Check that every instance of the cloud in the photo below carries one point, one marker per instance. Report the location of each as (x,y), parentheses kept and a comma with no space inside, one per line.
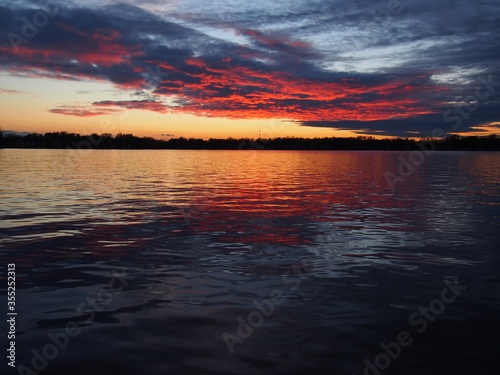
(450,121)
(368,67)
(147,105)
(107,107)
(10,91)
(81,111)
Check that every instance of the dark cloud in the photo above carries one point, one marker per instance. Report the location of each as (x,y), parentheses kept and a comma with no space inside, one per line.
(457,119)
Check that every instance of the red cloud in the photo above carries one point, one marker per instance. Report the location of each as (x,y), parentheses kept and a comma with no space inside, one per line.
(196,62)
(81,111)
(109,107)
(97,48)
(100,54)
(234,91)
(148,105)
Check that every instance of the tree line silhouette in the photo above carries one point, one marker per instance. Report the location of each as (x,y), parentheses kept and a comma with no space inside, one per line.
(65,140)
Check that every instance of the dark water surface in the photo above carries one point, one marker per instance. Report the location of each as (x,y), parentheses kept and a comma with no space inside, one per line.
(163,262)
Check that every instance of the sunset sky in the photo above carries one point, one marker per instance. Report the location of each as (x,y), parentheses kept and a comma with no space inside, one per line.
(233,68)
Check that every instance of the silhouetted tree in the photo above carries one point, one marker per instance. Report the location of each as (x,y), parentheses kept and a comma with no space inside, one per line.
(129,141)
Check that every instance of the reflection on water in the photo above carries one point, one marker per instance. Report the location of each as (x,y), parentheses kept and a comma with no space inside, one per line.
(200,237)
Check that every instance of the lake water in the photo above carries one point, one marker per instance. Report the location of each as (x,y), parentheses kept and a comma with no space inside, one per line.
(246,262)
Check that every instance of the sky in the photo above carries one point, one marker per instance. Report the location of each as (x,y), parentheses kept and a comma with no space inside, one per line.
(307,68)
